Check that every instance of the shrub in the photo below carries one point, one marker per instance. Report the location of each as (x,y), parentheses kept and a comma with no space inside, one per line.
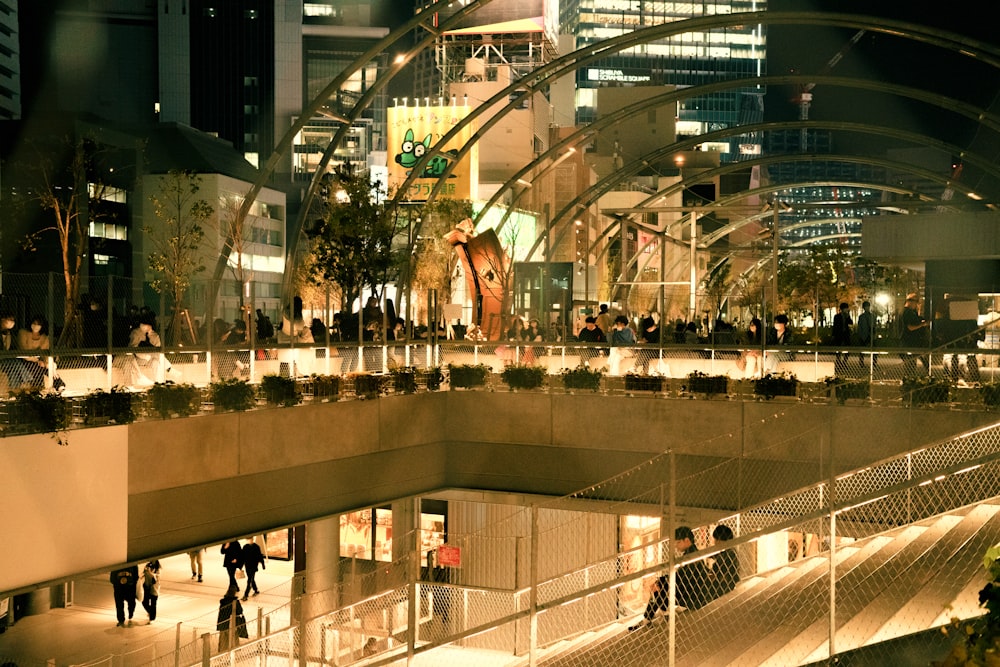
(432,378)
(517,376)
(114,405)
(924,389)
(280,390)
(842,389)
(776,384)
(42,411)
(467,375)
(701,383)
(636,382)
(404,379)
(325,386)
(232,394)
(367,385)
(582,377)
(167,399)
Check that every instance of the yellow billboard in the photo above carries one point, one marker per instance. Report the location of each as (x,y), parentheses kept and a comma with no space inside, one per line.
(415,130)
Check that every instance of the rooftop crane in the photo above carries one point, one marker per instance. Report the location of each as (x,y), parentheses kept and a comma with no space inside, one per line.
(803,94)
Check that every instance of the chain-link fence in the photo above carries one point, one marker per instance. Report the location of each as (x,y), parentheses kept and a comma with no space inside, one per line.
(852,561)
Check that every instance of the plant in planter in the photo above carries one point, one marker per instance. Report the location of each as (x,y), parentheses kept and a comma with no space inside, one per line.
(232,394)
(776,384)
(923,390)
(168,399)
(325,386)
(41,411)
(702,383)
(280,390)
(517,376)
(102,406)
(404,379)
(431,378)
(582,377)
(367,385)
(842,389)
(463,376)
(977,639)
(636,382)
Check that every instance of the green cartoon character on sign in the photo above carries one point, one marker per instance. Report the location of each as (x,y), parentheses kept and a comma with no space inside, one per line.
(411,152)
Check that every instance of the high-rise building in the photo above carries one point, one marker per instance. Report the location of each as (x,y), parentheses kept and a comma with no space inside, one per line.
(682,61)
(10,66)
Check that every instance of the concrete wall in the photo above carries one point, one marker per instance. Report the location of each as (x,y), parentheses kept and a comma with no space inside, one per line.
(153,488)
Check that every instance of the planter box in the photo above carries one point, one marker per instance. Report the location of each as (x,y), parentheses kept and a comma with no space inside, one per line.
(711,384)
(857,390)
(935,392)
(643,383)
(770,388)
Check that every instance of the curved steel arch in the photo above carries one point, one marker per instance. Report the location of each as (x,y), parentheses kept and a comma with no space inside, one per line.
(517,91)
(975,49)
(589,196)
(583,134)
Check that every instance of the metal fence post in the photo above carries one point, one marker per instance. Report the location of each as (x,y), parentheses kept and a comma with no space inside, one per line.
(206,650)
(533,594)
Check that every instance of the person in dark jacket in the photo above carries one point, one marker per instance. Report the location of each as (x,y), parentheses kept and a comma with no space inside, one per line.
(230,607)
(232,559)
(124,582)
(725,574)
(253,558)
(692,580)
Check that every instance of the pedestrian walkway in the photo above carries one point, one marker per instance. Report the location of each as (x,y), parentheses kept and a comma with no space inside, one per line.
(86,632)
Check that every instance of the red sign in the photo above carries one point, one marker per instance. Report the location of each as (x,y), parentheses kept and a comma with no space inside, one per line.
(449,556)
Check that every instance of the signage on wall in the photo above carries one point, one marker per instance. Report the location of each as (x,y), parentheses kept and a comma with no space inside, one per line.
(449,556)
(412,132)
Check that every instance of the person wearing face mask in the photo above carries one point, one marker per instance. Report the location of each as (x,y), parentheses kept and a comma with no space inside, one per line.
(35,337)
(13,368)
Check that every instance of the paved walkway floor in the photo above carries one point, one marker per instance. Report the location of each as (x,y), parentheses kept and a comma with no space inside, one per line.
(87,633)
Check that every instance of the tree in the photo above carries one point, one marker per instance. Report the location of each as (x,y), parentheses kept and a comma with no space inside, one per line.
(236,229)
(352,239)
(717,288)
(71,189)
(177,240)
(434,258)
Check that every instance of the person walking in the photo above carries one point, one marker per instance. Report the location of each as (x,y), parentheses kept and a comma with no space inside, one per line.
(151,587)
(253,557)
(231,623)
(197,563)
(124,582)
(232,560)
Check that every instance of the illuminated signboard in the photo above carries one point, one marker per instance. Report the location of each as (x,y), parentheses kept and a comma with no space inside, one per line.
(415,130)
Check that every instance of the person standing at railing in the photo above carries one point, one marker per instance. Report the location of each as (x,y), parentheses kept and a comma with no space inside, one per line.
(650,336)
(780,335)
(36,337)
(864,332)
(590,333)
(750,359)
(603,320)
(842,337)
(691,580)
(13,368)
(622,345)
(913,333)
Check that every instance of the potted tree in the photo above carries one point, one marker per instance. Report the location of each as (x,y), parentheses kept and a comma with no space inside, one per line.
(582,377)
(517,376)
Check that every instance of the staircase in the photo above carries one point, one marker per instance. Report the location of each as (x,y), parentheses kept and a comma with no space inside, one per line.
(908,579)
